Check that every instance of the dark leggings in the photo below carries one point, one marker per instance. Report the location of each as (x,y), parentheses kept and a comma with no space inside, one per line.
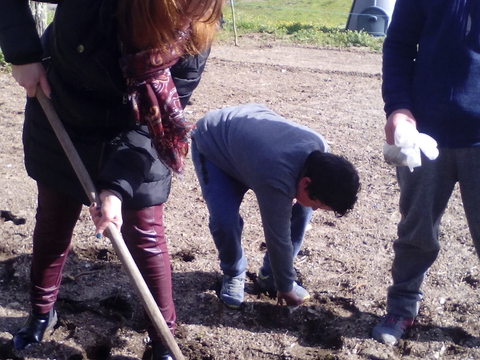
(142,231)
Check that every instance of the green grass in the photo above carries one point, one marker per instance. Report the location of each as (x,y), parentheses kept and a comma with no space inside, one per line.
(330,13)
(316,22)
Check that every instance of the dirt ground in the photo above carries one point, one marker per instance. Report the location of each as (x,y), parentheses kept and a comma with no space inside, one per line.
(344,263)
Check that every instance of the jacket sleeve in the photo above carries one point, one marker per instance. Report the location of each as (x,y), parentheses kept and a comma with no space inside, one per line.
(19,39)
(128,163)
(186,74)
(399,54)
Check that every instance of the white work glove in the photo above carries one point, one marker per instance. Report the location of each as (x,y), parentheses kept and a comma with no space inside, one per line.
(408,144)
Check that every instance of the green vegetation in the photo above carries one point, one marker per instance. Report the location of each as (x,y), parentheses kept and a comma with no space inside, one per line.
(50,15)
(3,65)
(330,13)
(316,22)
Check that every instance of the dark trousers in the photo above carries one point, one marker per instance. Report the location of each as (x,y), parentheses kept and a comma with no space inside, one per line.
(424,195)
(142,231)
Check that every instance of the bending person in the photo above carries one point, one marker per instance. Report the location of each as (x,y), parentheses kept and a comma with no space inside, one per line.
(289,169)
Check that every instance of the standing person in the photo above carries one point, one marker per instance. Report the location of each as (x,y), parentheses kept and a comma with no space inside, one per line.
(250,147)
(100,57)
(431,79)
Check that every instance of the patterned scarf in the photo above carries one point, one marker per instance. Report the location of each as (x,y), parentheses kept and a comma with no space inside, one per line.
(155,102)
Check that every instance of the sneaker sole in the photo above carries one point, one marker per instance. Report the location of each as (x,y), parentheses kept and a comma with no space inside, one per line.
(233,307)
(230,306)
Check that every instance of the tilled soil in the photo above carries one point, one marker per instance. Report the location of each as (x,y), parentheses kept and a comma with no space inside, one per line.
(344,263)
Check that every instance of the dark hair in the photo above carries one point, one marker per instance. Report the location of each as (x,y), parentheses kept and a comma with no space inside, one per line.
(334,181)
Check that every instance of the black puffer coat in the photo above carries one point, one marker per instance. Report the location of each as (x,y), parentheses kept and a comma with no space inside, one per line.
(81,54)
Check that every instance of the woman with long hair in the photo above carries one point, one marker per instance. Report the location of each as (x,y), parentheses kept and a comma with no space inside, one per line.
(119,74)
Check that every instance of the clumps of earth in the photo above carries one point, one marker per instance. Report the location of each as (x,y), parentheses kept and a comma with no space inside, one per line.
(344,262)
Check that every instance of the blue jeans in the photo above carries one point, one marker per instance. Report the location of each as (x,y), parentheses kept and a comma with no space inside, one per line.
(223,195)
(424,195)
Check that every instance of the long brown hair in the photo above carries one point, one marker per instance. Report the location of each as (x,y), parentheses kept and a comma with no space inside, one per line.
(148,24)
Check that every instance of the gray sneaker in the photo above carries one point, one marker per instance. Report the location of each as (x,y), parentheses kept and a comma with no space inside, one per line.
(233,290)
(267,284)
(391,329)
